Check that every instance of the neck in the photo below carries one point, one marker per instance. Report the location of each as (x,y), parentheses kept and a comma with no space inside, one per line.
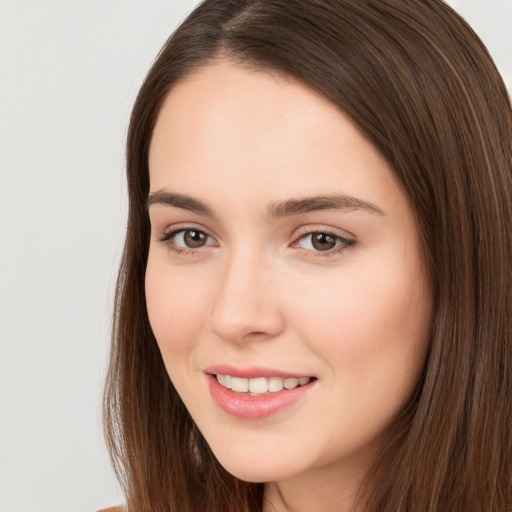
(314,491)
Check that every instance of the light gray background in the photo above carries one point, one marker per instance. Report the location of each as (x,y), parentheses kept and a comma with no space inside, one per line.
(69,73)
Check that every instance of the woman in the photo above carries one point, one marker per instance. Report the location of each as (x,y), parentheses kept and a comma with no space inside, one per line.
(314,305)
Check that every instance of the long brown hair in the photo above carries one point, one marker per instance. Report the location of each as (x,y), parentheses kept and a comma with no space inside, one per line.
(419,83)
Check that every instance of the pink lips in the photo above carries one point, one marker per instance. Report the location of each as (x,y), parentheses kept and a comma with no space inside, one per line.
(250,372)
(253,407)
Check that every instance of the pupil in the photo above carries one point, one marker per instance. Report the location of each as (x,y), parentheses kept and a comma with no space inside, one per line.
(323,241)
(195,238)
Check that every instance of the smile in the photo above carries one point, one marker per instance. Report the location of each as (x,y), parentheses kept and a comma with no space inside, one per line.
(254,398)
(260,385)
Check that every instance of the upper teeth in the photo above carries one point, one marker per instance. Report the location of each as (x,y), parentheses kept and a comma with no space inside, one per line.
(260,385)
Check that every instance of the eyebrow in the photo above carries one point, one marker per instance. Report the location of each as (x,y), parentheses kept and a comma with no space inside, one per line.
(179,201)
(328,202)
(275,210)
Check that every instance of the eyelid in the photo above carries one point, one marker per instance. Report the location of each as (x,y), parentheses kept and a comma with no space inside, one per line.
(322,228)
(182,226)
(164,237)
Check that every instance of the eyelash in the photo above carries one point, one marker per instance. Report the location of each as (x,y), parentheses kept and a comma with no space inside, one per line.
(168,238)
(344,243)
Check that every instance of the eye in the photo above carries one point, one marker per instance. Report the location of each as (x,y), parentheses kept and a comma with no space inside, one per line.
(186,239)
(320,241)
(191,238)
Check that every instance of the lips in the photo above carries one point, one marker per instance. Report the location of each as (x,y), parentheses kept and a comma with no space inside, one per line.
(256,393)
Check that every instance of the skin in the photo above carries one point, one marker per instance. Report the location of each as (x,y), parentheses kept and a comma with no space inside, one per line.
(357,316)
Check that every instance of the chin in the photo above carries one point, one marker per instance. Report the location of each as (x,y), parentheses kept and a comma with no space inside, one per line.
(254,468)
(253,473)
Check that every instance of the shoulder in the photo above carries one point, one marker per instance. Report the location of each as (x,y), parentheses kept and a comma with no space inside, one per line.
(111,509)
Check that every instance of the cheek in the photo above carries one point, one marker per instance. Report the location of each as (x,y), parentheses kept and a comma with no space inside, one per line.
(176,304)
(370,324)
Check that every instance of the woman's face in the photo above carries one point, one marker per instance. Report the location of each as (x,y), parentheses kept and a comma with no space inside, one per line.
(284,254)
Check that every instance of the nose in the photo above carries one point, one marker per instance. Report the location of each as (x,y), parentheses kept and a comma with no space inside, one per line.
(246,306)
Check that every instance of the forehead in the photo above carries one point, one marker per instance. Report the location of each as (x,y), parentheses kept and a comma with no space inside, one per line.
(244,132)
(220,98)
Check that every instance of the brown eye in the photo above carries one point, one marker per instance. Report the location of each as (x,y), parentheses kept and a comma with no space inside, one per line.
(194,239)
(323,241)
(186,240)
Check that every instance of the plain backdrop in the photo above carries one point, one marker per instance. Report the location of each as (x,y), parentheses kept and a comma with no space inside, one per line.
(69,73)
